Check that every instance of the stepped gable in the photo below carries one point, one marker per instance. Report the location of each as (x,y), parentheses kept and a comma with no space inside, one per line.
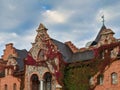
(73,48)
(9,49)
(19,55)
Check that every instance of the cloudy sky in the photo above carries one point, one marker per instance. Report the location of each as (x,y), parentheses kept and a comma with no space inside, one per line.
(78,21)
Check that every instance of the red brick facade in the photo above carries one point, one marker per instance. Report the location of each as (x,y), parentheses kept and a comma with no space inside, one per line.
(10,82)
(107,79)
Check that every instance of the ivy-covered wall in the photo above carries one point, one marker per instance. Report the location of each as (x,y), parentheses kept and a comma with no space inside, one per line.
(77,74)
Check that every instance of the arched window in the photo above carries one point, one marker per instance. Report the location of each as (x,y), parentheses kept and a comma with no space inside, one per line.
(35,83)
(100,79)
(14,86)
(48,81)
(114,78)
(6,87)
(41,55)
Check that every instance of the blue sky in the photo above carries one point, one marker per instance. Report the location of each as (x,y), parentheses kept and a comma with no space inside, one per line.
(78,21)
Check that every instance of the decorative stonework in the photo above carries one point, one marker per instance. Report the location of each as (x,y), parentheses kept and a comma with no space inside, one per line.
(44,51)
(40,42)
(114,52)
(12,61)
(43,57)
(106,37)
(31,69)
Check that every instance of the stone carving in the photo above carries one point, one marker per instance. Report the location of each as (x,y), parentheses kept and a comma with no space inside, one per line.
(12,61)
(114,52)
(32,69)
(106,37)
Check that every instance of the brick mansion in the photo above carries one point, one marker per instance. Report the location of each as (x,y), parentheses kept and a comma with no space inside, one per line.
(54,65)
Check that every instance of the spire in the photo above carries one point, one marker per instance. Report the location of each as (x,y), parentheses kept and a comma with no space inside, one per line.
(103,19)
(103,26)
(41,27)
(101,30)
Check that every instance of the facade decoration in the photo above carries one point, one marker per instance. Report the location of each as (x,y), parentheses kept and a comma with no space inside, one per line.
(53,65)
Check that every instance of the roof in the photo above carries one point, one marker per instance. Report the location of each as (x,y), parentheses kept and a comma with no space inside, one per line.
(83,56)
(99,34)
(69,57)
(22,54)
(64,50)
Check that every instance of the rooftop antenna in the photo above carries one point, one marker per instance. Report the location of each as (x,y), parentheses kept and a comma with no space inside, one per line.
(103,19)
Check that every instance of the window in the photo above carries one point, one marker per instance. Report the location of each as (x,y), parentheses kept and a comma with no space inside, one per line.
(6,87)
(102,55)
(48,81)
(100,79)
(114,78)
(91,81)
(14,86)
(35,83)
(41,55)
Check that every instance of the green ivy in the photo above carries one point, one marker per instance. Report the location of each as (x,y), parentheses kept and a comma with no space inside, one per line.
(77,75)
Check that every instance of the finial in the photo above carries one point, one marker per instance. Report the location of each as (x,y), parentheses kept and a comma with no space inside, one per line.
(103,19)
(41,27)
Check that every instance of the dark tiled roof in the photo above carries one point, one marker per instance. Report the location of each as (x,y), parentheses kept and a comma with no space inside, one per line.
(64,50)
(69,57)
(22,54)
(67,54)
(82,56)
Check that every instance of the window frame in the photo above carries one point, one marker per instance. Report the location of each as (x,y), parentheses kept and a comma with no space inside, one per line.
(114,78)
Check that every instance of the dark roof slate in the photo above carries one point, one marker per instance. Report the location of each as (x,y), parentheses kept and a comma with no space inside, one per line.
(22,54)
(64,50)
(83,56)
(69,57)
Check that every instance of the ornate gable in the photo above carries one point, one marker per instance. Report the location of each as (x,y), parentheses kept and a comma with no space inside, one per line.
(106,37)
(43,45)
(44,52)
(45,55)
(39,42)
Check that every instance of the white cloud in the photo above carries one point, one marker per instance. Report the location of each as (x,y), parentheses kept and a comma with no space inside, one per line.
(110,13)
(19,41)
(65,19)
(54,17)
